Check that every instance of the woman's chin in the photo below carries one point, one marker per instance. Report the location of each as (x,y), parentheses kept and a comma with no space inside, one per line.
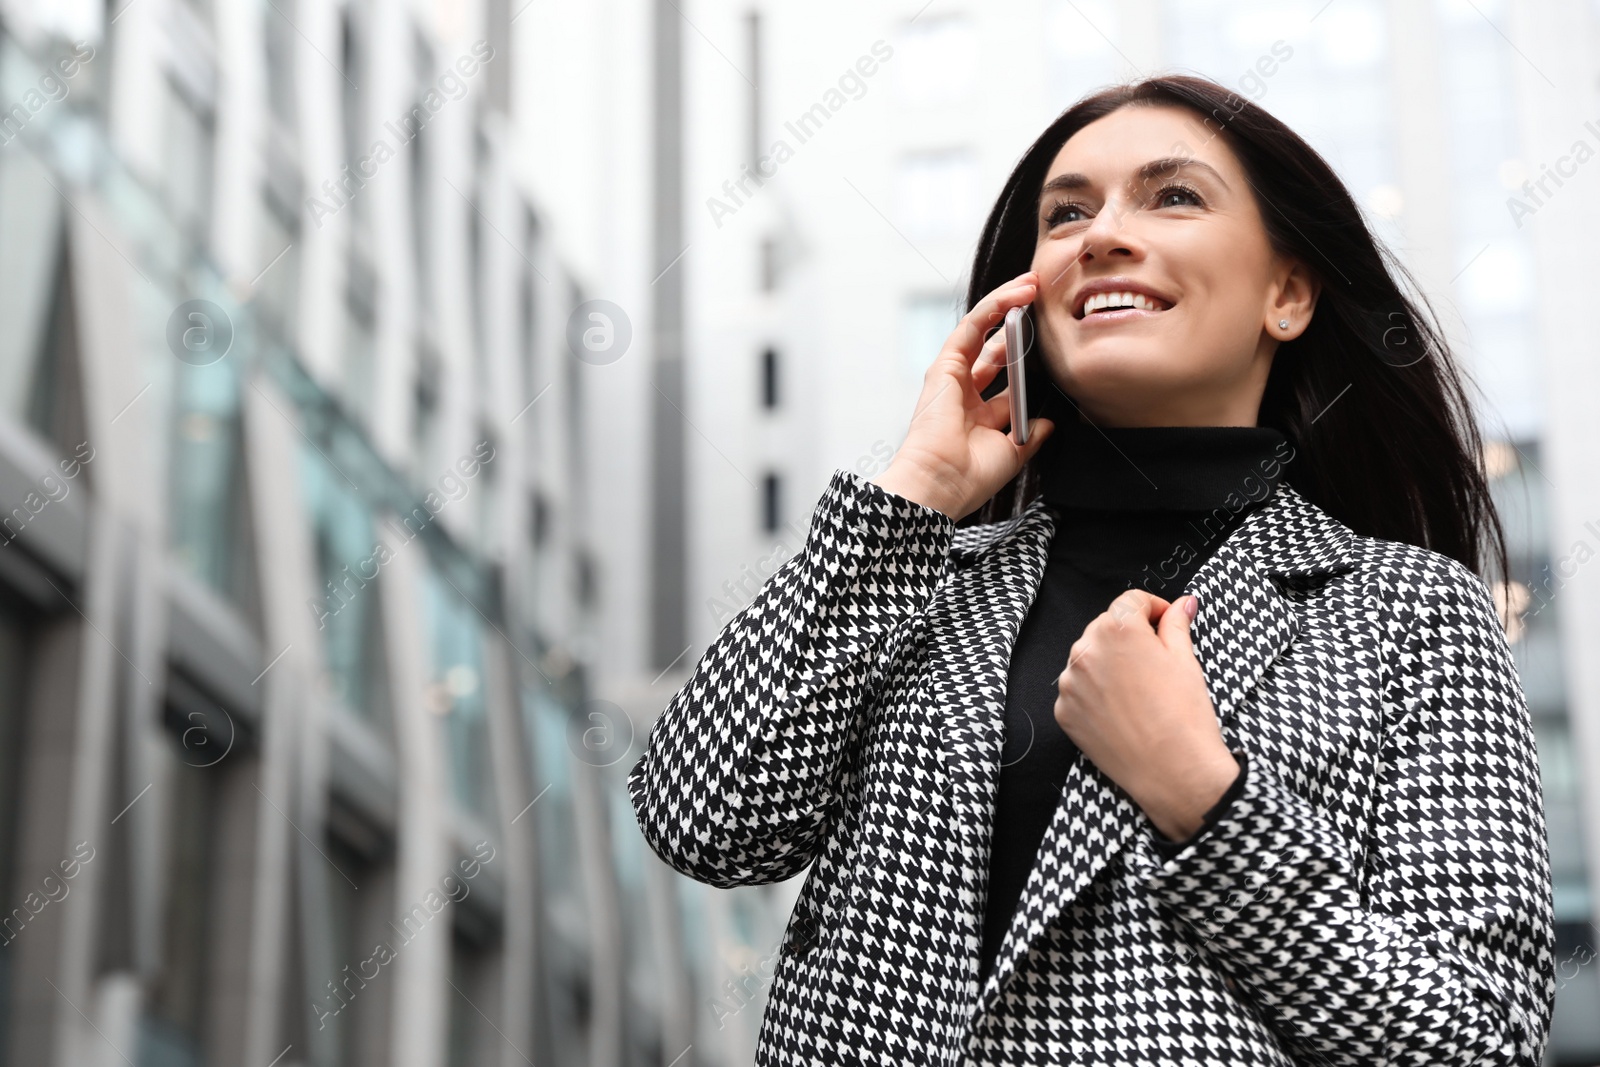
(1109,371)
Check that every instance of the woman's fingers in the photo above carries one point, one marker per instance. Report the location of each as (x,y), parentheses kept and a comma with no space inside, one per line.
(1138,603)
(953,429)
(990,360)
(996,411)
(966,340)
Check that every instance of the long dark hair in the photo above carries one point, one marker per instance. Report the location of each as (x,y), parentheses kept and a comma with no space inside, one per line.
(1369,396)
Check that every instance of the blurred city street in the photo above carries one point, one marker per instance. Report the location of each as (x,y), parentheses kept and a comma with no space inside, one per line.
(397,397)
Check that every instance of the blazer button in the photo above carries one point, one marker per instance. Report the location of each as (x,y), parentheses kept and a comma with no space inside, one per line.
(1232,987)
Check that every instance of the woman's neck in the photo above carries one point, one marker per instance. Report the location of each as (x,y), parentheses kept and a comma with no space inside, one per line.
(1160,467)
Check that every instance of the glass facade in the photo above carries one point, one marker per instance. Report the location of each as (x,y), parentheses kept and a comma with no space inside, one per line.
(1323,69)
(314,829)
(204,854)
(32,293)
(644,993)
(209,511)
(346,607)
(566,963)
(1530,603)
(456,688)
(173,1028)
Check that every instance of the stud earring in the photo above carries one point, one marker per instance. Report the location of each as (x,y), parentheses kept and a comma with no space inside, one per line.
(1283,324)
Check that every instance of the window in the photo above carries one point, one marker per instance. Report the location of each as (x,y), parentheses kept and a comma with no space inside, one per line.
(1328,80)
(771,499)
(566,919)
(937,61)
(360,905)
(1494,259)
(752,25)
(769,378)
(770,266)
(352,55)
(278,38)
(278,251)
(456,689)
(1352,35)
(475,270)
(425,412)
(421,176)
(538,519)
(585,578)
(187,162)
(472,1037)
(173,1029)
(936,194)
(346,606)
(360,345)
(487,512)
(210,534)
(37,347)
(53,397)
(528,319)
(1558,763)
(1077,40)
(928,320)
(1537,584)
(642,964)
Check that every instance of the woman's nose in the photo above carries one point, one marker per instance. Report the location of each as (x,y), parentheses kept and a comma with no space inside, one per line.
(1108,233)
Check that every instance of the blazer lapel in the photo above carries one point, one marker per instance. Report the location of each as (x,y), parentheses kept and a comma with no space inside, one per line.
(972,624)
(1243,623)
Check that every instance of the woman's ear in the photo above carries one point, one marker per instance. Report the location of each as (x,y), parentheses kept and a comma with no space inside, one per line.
(1292,301)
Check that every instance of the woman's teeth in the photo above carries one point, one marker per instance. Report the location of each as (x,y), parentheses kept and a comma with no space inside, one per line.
(1102,301)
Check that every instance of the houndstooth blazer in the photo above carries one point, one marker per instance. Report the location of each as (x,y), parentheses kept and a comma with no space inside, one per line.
(1379,893)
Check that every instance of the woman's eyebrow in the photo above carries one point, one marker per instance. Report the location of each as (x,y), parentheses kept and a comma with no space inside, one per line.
(1150,171)
(1066,183)
(1173,163)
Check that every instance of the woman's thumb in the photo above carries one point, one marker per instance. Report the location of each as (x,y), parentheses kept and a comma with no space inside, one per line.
(1175,621)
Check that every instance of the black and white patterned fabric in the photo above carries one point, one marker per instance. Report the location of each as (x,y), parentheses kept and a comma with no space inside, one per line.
(1379,893)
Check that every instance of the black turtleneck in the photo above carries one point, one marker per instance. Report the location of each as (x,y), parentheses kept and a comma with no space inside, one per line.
(1134,506)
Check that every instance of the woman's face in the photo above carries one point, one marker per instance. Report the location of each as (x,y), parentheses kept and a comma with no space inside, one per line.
(1148,199)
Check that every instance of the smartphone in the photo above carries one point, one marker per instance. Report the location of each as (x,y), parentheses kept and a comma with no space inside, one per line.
(1016,377)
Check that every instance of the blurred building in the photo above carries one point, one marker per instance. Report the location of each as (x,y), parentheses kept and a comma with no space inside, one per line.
(301,758)
(397,397)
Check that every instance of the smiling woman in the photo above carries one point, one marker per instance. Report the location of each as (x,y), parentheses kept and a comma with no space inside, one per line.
(1292,815)
(1184,190)
(1187,257)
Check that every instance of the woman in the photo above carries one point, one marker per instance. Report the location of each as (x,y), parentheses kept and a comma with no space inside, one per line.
(1289,815)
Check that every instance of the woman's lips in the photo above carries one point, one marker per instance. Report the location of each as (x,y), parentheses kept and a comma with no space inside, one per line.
(1120,315)
(1114,299)
(1119,299)
(1099,295)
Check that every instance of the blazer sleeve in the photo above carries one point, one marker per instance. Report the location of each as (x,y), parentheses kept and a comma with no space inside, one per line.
(738,780)
(1435,943)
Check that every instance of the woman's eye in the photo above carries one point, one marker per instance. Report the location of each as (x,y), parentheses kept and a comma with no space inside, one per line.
(1059,213)
(1178,190)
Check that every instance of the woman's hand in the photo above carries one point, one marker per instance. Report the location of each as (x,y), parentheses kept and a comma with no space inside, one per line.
(957,453)
(1133,698)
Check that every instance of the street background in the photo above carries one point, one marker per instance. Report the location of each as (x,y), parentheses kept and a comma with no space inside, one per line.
(398,396)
